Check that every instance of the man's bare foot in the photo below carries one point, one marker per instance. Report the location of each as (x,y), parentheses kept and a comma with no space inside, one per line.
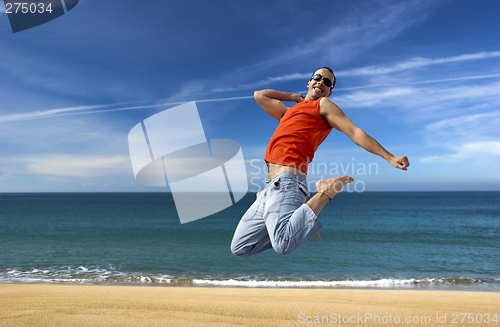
(327,189)
(330,187)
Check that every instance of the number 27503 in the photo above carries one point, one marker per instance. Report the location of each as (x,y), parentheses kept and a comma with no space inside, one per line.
(13,8)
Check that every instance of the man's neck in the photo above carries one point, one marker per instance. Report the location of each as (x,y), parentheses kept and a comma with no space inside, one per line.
(311,97)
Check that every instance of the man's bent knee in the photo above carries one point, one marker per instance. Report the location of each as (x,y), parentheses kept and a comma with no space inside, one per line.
(241,251)
(282,249)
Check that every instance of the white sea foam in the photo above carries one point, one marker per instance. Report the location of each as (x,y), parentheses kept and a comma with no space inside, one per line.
(110,275)
(305,284)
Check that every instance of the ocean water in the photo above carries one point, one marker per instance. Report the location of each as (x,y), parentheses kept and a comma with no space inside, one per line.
(415,240)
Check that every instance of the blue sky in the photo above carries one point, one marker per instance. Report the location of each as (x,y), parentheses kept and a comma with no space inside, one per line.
(421,77)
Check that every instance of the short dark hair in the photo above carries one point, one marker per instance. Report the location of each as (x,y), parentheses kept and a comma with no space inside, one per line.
(331,71)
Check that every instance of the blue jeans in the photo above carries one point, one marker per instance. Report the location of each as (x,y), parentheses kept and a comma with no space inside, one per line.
(278,218)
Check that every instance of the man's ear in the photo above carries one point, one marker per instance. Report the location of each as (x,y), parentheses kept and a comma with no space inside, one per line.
(329,93)
(309,81)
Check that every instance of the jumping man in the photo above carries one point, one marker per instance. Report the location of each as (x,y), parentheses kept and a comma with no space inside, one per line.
(279,218)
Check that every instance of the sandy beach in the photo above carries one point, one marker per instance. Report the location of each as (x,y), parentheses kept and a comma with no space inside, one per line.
(100,305)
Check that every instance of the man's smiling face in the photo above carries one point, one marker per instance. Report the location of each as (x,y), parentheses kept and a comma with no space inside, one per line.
(318,89)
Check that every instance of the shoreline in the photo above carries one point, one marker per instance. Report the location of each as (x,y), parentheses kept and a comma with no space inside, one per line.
(149,305)
(437,284)
(454,288)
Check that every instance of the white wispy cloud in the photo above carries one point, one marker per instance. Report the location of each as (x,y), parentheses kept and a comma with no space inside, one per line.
(391,93)
(453,132)
(466,137)
(429,100)
(465,122)
(412,63)
(476,151)
(82,110)
(358,32)
(461,122)
(49,113)
(417,62)
(267,81)
(71,165)
(371,98)
(352,34)
(431,81)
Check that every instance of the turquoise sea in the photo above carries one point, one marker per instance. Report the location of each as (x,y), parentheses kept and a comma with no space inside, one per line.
(412,240)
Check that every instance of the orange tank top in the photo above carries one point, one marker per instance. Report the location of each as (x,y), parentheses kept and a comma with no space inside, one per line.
(299,134)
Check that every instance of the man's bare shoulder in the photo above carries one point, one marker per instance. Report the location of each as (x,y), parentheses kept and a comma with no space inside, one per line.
(327,106)
(325,100)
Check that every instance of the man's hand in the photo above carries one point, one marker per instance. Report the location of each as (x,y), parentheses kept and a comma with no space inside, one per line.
(298,97)
(399,162)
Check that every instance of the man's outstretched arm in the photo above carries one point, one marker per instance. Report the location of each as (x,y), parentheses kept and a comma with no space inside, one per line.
(336,118)
(271,101)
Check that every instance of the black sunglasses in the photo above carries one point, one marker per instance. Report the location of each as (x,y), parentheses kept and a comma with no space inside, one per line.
(326,81)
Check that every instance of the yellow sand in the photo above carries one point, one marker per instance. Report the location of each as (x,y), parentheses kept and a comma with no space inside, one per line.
(98,305)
